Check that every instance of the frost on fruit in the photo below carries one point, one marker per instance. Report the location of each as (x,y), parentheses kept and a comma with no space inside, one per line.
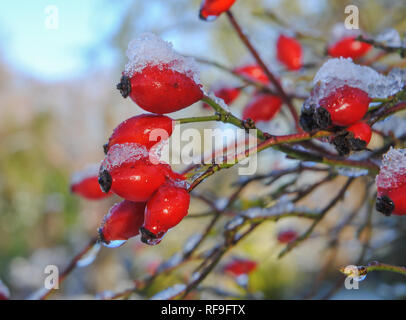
(392,125)
(170,292)
(150,50)
(92,170)
(340,71)
(123,153)
(392,173)
(389,37)
(218,100)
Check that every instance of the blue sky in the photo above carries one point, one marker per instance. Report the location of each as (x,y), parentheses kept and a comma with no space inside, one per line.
(52,54)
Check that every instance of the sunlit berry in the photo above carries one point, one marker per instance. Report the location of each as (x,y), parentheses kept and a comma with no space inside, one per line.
(287,236)
(227,94)
(263,107)
(85,183)
(211,9)
(349,47)
(353,138)
(239,266)
(253,72)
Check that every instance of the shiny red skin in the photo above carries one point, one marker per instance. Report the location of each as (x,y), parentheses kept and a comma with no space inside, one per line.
(398,196)
(227,94)
(210,9)
(89,189)
(262,108)
(123,221)
(349,47)
(138,180)
(289,52)
(346,105)
(362,131)
(161,90)
(138,129)
(166,208)
(287,236)
(240,266)
(253,72)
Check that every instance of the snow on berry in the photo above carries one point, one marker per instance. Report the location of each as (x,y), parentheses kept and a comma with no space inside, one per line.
(392,173)
(119,154)
(150,50)
(340,71)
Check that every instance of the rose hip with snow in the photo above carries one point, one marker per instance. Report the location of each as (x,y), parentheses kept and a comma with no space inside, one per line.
(157,78)
(122,222)
(129,173)
(144,129)
(354,138)
(211,9)
(165,209)
(85,183)
(263,107)
(289,52)
(391,183)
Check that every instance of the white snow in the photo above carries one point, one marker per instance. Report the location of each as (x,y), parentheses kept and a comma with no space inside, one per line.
(389,37)
(340,71)
(393,124)
(123,153)
(170,292)
(282,207)
(91,170)
(150,50)
(191,243)
(234,223)
(352,172)
(393,169)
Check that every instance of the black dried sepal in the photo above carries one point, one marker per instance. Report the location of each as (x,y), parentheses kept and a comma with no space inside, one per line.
(106,148)
(322,118)
(356,144)
(147,236)
(307,121)
(124,86)
(105,181)
(341,144)
(385,205)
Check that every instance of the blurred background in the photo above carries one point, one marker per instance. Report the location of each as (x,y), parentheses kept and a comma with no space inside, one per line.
(58,106)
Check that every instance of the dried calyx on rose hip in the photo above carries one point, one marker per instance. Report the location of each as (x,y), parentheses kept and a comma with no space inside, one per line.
(165,209)
(253,72)
(145,129)
(353,138)
(349,47)
(157,78)
(227,94)
(289,52)
(129,172)
(263,107)
(240,266)
(122,222)
(211,9)
(391,183)
(85,183)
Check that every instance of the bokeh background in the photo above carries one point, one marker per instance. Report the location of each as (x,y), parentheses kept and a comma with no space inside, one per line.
(58,105)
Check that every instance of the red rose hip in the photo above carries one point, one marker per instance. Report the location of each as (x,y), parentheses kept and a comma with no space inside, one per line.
(227,94)
(211,9)
(122,222)
(349,47)
(253,72)
(238,267)
(85,184)
(165,209)
(354,138)
(289,52)
(144,129)
(262,108)
(343,107)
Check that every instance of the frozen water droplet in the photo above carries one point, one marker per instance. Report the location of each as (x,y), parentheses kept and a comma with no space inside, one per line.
(114,243)
(89,257)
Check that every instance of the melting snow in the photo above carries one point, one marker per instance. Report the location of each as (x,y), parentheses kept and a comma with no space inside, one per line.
(393,169)
(123,153)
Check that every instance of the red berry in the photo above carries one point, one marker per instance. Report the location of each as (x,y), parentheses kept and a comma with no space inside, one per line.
(138,130)
(262,108)
(253,72)
(392,201)
(160,89)
(343,107)
(287,236)
(239,267)
(349,47)
(122,222)
(289,52)
(165,209)
(354,138)
(129,173)
(85,183)
(361,131)
(211,9)
(227,94)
